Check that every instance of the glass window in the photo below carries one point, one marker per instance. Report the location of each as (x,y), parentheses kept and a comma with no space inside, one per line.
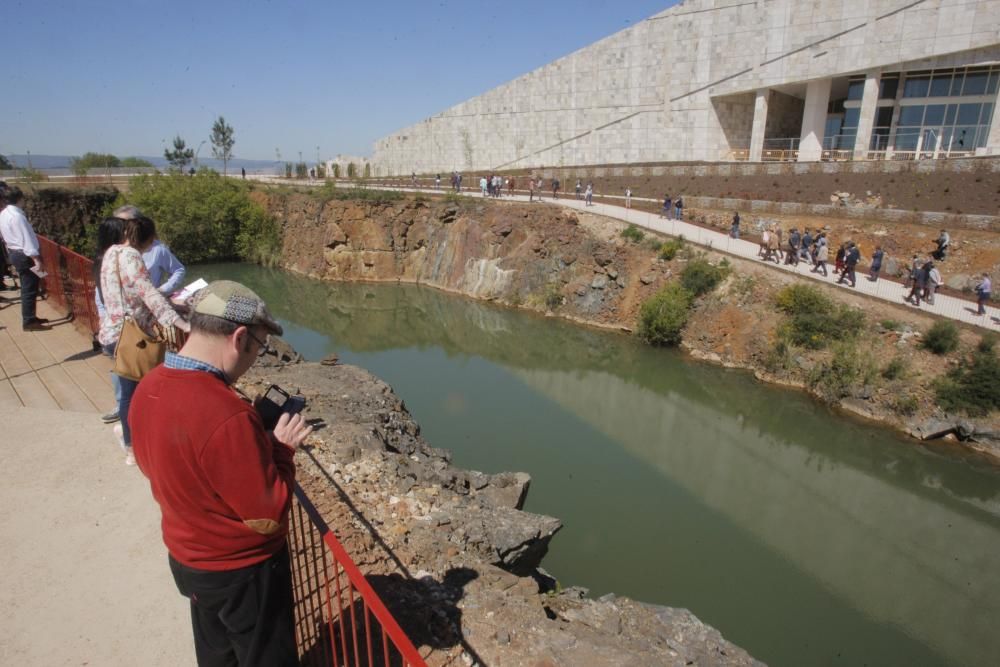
(987,115)
(963,138)
(949,117)
(991,87)
(968,114)
(883,117)
(956,85)
(934,115)
(940,85)
(856,89)
(975,83)
(887,88)
(912,115)
(916,86)
(851,117)
(906,138)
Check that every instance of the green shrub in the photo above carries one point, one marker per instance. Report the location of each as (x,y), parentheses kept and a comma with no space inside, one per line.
(357,193)
(553,297)
(206,217)
(987,342)
(663,315)
(633,233)
(941,338)
(670,249)
(701,277)
(890,325)
(849,367)
(972,387)
(895,369)
(905,404)
(815,320)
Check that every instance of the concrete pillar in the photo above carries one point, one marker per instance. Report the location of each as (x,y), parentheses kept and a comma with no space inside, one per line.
(814,120)
(866,118)
(759,124)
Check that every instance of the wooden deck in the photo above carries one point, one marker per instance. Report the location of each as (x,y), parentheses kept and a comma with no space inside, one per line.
(55,370)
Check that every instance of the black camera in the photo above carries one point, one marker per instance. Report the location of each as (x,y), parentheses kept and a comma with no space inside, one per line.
(275,402)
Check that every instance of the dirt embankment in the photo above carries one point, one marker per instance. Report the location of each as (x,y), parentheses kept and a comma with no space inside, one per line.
(578,267)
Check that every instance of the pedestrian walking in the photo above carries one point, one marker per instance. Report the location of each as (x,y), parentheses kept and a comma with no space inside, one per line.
(983,292)
(589,195)
(807,243)
(223,483)
(628,197)
(579,189)
(668,208)
(555,188)
(876,266)
(932,283)
(838,259)
(734,227)
(679,208)
(943,241)
(531,189)
(852,255)
(919,282)
(792,255)
(822,254)
(437,182)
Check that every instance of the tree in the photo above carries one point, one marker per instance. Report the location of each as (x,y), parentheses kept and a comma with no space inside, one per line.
(180,156)
(222,142)
(5,163)
(134,162)
(94,161)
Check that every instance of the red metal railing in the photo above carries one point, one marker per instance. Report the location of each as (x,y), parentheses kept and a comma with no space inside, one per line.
(339,618)
(70,283)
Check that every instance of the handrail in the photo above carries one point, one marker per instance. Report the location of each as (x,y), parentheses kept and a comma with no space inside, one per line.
(327,629)
(70,283)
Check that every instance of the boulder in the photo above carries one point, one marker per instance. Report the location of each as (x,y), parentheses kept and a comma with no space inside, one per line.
(599,282)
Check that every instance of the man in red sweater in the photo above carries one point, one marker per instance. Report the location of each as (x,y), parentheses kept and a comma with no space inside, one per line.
(223,483)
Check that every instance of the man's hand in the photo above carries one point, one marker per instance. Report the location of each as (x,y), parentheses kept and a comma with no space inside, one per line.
(292,430)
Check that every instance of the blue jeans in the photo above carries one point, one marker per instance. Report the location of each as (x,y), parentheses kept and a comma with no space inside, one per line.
(116,384)
(680,212)
(29,284)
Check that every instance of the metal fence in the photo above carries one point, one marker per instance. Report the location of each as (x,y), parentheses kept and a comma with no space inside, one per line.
(339,619)
(70,283)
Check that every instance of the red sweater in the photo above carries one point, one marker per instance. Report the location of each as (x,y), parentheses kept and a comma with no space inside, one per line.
(224,485)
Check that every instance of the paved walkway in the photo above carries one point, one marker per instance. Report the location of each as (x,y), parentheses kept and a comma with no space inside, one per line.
(84,578)
(886,290)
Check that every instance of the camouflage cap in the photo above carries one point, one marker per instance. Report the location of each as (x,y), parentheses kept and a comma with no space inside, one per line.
(234,302)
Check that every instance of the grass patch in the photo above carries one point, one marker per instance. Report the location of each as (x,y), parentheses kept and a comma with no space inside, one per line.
(670,248)
(941,338)
(663,316)
(633,234)
(848,368)
(701,276)
(815,320)
(973,387)
(895,369)
(891,325)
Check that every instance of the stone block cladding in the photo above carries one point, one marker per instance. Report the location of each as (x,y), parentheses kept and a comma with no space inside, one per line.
(680,85)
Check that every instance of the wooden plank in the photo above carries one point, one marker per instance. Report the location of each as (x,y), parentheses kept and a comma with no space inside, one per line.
(64,390)
(13,361)
(9,397)
(33,392)
(72,350)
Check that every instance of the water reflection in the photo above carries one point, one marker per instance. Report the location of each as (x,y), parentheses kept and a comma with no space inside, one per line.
(803,536)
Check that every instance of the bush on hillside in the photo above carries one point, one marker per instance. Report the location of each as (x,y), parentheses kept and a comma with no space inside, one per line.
(848,368)
(206,217)
(973,387)
(670,248)
(663,316)
(815,320)
(701,276)
(941,338)
(633,233)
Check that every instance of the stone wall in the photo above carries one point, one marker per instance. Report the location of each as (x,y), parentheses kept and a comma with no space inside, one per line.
(645,94)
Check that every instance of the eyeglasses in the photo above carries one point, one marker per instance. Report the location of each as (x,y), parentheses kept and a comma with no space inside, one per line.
(265,344)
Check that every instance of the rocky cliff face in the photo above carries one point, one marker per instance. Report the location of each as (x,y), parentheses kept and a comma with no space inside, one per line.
(539,257)
(450,551)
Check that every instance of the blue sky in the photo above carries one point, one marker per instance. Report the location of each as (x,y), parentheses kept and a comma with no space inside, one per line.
(123,77)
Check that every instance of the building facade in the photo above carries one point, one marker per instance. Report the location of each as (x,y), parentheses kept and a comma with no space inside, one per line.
(711,80)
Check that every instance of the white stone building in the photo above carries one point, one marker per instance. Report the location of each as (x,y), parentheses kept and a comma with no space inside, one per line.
(343,163)
(711,80)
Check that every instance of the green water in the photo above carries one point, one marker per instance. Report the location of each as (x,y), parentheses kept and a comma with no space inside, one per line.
(803,536)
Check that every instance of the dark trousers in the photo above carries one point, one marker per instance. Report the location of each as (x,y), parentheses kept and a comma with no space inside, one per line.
(29,284)
(241,617)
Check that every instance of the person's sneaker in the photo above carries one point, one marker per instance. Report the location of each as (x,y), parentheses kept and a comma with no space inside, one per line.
(110,418)
(129,457)
(120,437)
